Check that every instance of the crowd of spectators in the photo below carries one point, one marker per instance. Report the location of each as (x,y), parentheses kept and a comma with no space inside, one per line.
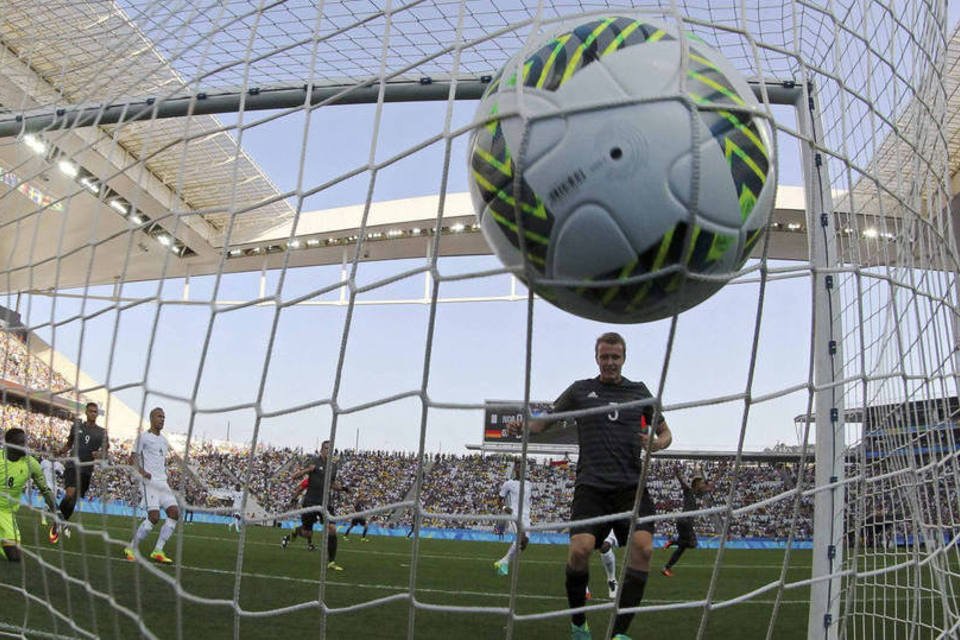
(468,485)
(18,365)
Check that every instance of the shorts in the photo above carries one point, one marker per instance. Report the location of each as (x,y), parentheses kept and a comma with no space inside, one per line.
(156,496)
(9,532)
(686,537)
(512,524)
(591,502)
(78,478)
(310,518)
(362,522)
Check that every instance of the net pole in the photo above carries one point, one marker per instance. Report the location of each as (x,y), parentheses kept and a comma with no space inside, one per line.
(825,591)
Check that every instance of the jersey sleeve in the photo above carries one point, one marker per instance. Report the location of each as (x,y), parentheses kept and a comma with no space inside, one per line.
(566,401)
(504,490)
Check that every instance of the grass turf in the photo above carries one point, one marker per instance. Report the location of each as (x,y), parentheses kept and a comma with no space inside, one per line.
(83,586)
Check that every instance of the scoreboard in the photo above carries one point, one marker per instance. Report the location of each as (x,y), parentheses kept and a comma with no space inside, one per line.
(498,415)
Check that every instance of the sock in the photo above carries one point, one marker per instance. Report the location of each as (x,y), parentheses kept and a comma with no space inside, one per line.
(364,534)
(609,564)
(676,556)
(508,556)
(67,505)
(142,532)
(346,534)
(577,593)
(331,547)
(631,593)
(165,532)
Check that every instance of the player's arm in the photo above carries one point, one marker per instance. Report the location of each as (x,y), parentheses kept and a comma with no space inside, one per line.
(502,498)
(68,446)
(678,472)
(36,474)
(539,425)
(664,437)
(299,473)
(138,460)
(103,452)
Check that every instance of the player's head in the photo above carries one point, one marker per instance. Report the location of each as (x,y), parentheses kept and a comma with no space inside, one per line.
(15,442)
(92,411)
(325,449)
(698,484)
(610,351)
(237,487)
(157,418)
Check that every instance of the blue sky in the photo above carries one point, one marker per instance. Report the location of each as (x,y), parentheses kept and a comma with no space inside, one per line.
(477,349)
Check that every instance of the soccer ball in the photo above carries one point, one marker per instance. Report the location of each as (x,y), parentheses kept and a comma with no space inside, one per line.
(623,169)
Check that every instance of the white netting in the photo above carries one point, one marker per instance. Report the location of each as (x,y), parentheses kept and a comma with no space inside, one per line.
(271,271)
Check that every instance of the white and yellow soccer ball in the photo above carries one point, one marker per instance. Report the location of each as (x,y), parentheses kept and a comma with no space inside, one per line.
(624,167)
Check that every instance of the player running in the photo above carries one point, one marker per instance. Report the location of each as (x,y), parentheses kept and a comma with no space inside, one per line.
(315,473)
(86,444)
(510,501)
(686,536)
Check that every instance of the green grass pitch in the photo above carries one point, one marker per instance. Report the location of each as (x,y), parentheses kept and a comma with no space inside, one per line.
(106,596)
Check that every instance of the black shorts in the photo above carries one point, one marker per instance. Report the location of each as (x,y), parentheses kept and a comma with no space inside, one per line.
(591,502)
(686,536)
(359,521)
(310,518)
(77,478)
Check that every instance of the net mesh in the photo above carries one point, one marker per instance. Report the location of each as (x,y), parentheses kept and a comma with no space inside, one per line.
(287,294)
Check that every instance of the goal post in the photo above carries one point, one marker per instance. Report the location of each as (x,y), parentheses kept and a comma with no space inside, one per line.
(266,198)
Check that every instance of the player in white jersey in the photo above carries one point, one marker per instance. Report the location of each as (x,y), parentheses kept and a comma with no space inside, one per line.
(609,561)
(151,462)
(51,469)
(510,500)
(237,507)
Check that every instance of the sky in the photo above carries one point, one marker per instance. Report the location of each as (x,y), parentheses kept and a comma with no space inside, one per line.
(476,350)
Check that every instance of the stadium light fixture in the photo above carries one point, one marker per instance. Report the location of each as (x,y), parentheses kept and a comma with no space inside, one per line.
(119,206)
(91,185)
(35,144)
(164,239)
(871,233)
(457,228)
(136,218)
(68,168)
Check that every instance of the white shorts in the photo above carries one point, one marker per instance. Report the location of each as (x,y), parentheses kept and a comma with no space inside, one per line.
(512,525)
(156,496)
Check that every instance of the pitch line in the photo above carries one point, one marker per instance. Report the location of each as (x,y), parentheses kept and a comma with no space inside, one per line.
(386,587)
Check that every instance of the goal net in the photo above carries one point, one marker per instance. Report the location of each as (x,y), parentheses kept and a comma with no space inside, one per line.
(253,215)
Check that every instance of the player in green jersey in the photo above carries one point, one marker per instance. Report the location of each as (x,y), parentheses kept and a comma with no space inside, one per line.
(16,467)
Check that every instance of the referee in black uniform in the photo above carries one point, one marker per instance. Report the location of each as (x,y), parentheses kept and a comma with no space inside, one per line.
(612,444)
(86,443)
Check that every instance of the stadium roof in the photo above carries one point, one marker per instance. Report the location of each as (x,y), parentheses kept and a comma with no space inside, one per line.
(222,210)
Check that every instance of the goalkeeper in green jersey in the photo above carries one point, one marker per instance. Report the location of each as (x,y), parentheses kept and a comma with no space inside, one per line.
(16,467)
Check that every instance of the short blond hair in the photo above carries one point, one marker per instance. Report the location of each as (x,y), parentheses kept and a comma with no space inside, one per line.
(610,337)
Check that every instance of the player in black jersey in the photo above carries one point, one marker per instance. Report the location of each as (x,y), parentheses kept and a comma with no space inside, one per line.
(316,475)
(360,521)
(86,444)
(612,444)
(686,536)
